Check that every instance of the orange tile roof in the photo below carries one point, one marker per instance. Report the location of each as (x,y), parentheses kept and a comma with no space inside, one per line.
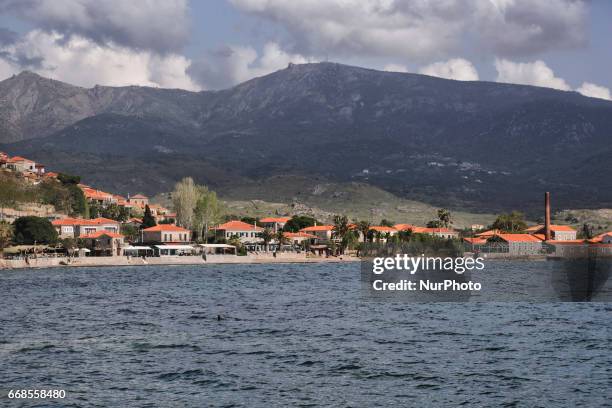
(599,238)
(404,227)
(19,159)
(567,242)
(299,235)
(318,228)
(102,220)
(238,226)
(475,240)
(136,220)
(382,228)
(166,227)
(275,219)
(82,221)
(51,174)
(489,233)
(518,238)
(427,230)
(98,234)
(535,228)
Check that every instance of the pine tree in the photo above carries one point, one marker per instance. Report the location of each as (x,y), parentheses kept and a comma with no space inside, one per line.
(148,220)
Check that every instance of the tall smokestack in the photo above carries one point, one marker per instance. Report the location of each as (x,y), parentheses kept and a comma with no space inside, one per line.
(547,216)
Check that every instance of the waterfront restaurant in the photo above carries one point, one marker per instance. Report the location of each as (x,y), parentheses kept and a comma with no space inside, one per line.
(174,250)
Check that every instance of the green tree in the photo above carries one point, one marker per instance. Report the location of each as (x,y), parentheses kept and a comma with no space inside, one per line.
(207,212)
(147,219)
(433,224)
(341,231)
(266,235)
(586,231)
(386,223)
(30,230)
(130,232)
(6,234)
(185,197)
(297,222)
(364,228)
(281,238)
(68,179)
(512,223)
(444,216)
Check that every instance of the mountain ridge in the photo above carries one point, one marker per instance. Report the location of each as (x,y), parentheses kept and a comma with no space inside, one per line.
(473,144)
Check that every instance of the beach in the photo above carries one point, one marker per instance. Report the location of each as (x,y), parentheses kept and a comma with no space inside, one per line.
(260,258)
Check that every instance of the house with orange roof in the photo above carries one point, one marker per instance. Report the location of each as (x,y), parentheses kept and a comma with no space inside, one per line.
(274,223)
(557,232)
(515,244)
(599,238)
(299,238)
(322,232)
(607,238)
(21,164)
(138,200)
(78,227)
(104,243)
(404,227)
(98,196)
(246,233)
(380,233)
(166,234)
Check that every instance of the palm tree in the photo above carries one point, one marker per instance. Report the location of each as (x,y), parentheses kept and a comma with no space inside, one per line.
(281,238)
(364,228)
(266,235)
(445,217)
(341,231)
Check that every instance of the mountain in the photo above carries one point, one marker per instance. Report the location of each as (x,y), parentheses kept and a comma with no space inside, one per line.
(477,145)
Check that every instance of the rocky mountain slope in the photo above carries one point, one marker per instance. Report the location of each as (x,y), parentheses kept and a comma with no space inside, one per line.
(477,145)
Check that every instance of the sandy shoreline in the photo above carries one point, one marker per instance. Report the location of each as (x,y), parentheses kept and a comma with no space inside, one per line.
(6,264)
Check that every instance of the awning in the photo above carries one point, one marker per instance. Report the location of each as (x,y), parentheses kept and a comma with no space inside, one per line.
(84,249)
(216,246)
(175,247)
(127,248)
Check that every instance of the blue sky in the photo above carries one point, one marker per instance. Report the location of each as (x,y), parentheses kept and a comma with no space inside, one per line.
(564,44)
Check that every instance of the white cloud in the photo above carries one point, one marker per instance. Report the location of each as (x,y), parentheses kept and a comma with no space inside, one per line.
(455,68)
(528,27)
(395,68)
(529,73)
(594,91)
(234,64)
(160,25)
(81,61)
(424,30)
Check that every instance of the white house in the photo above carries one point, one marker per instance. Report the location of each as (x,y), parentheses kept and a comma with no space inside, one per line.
(247,233)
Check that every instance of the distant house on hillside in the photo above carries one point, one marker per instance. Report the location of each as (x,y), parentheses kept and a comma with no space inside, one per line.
(138,200)
(21,165)
(558,232)
(166,234)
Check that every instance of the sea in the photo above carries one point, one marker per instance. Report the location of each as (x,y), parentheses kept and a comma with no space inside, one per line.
(289,335)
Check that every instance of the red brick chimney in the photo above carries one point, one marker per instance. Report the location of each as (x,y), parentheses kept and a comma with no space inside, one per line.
(547,216)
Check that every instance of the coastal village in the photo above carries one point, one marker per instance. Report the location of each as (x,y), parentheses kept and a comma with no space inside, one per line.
(162,237)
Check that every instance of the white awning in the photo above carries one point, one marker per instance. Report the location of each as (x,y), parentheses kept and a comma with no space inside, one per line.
(84,250)
(127,248)
(216,246)
(175,247)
